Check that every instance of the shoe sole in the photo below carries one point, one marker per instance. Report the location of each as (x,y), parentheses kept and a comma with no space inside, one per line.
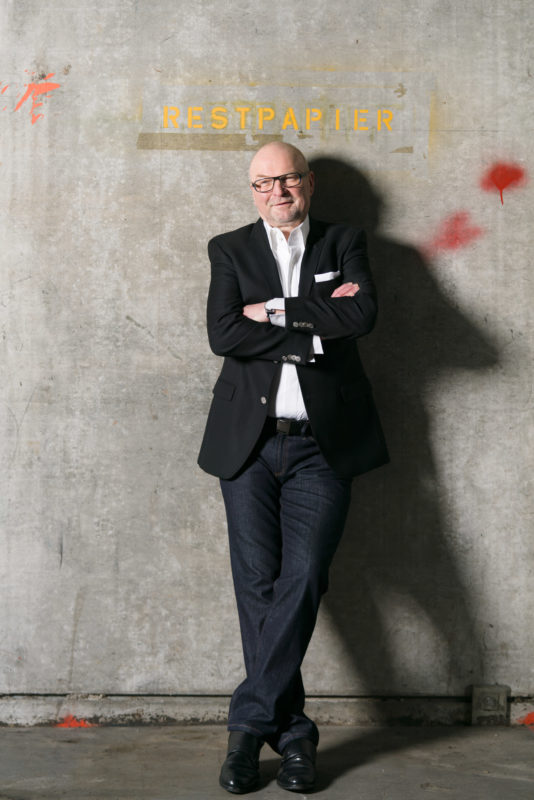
(298,787)
(235,790)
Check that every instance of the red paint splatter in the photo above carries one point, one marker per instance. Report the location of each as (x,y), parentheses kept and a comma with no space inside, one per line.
(503,176)
(528,720)
(454,232)
(35,90)
(71,722)
(5,87)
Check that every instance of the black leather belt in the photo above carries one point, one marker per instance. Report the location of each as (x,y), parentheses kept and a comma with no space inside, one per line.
(291,427)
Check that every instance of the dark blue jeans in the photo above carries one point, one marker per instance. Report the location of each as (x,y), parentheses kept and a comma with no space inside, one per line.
(286,511)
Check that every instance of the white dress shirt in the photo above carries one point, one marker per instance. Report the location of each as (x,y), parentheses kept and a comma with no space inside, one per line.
(286,398)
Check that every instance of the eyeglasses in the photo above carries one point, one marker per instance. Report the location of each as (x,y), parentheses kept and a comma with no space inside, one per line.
(286,181)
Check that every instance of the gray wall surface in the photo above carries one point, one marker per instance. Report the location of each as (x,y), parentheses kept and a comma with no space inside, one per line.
(113,563)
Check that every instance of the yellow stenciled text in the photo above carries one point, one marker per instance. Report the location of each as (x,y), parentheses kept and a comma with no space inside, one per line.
(269,119)
(265,114)
(383,115)
(219,118)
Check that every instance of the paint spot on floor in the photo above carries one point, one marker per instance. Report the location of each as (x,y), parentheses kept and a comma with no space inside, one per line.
(528,720)
(503,176)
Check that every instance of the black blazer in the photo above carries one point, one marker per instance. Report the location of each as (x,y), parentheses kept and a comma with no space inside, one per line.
(336,391)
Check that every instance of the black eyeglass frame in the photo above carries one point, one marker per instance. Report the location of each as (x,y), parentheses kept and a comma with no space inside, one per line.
(281,179)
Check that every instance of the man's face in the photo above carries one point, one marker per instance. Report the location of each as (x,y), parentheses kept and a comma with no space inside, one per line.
(282,207)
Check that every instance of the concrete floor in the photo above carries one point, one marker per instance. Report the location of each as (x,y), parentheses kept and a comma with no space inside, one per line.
(182,763)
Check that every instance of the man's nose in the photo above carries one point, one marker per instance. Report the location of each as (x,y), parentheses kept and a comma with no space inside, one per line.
(279,187)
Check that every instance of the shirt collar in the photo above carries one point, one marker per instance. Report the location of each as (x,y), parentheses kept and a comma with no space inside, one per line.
(300,232)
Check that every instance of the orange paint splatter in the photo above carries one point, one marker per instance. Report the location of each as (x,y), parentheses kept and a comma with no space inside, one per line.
(71,722)
(454,232)
(36,90)
(5,87)
(503,176)
(528,720)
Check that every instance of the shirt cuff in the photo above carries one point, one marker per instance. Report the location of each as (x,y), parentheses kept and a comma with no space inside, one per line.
(315,349)
(317,345)
(277,319)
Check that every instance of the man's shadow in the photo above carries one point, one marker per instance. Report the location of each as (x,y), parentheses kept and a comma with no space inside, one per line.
(397,585)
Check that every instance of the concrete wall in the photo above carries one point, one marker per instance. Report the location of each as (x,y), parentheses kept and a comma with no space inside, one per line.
(114,566)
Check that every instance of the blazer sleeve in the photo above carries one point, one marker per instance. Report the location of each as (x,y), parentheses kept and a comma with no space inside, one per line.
(339,317)
(230,333)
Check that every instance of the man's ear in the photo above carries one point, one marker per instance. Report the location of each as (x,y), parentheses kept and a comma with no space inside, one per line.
(311,178)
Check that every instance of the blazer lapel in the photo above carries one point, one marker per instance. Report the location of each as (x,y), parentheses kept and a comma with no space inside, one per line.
(310,260)
(265,260)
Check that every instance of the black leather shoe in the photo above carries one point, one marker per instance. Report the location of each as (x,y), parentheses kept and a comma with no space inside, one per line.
(240,771)
(297,770)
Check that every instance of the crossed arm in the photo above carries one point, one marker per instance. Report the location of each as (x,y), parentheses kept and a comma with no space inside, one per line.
(233,328)
(256,311)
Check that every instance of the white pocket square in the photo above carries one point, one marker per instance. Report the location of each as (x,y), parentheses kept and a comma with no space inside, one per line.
(326,276)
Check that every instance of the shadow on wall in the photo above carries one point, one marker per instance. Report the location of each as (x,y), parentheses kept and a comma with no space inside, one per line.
(398,597)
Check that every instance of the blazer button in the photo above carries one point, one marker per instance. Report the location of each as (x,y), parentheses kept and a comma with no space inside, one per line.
(263,400)
(297,358)
(284,358)
(295,324)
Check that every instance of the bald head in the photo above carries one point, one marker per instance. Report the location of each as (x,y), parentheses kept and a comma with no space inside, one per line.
(283,207)
(274,151)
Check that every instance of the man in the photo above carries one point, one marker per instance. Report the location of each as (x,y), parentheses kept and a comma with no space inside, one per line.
(291,422)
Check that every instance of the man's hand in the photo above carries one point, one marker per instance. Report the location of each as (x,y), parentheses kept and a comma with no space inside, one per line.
(256,312)
(346,290)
